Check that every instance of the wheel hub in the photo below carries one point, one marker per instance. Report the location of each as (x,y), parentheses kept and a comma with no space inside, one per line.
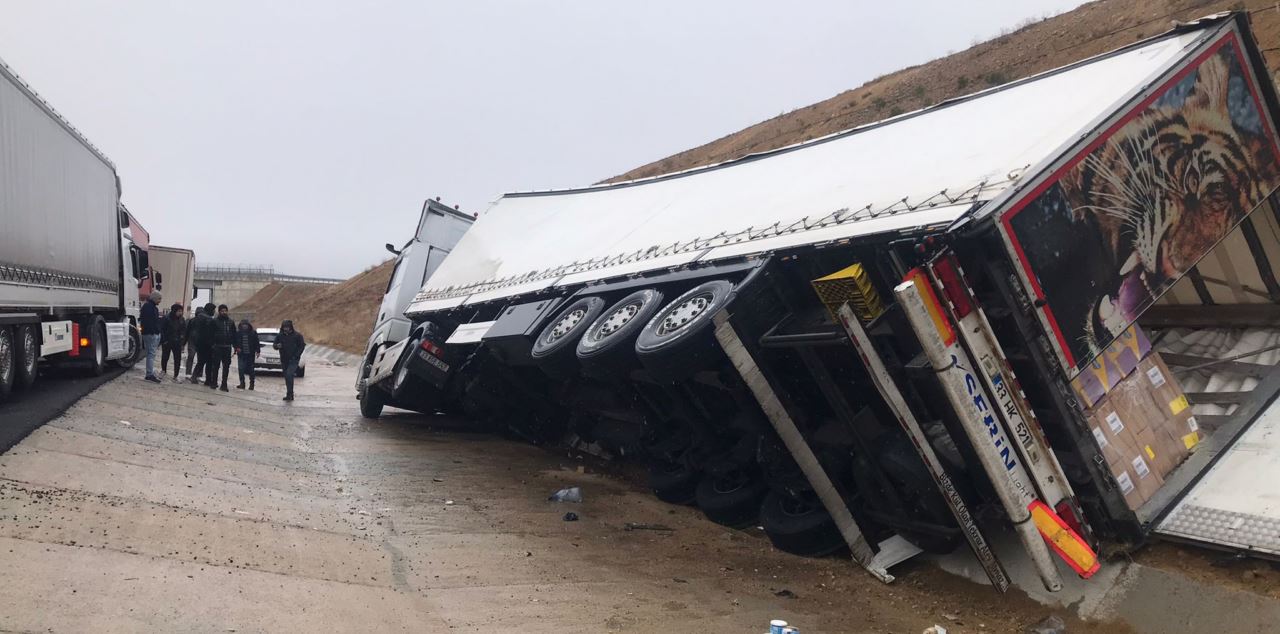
(687,311)
(566,324)
(617,319)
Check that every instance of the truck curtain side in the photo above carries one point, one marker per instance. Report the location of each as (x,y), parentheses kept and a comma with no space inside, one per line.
(689,320)
(68,288)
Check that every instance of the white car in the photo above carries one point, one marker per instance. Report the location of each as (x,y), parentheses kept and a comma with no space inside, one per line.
(269,357)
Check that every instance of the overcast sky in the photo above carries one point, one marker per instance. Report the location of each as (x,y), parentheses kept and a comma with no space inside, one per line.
(305,135)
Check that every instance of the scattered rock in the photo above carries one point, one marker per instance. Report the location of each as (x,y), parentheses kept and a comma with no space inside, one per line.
(570,517)
(1050,625)
(785,593)
(570,494)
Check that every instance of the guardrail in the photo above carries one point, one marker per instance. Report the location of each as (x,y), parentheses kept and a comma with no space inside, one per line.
(257,273)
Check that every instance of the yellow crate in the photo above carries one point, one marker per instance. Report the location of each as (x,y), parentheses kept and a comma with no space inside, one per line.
(849,285)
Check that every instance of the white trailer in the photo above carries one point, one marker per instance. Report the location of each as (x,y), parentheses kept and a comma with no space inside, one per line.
(70,272)
(174,275)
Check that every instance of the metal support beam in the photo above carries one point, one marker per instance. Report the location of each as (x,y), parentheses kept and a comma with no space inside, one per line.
(782,422)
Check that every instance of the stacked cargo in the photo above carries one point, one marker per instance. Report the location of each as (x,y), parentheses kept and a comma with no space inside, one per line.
(1141,419)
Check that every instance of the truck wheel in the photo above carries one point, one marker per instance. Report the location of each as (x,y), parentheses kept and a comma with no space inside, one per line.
(673,482)
(8,369)
(731,499)
(608,345)
(27,346)
(920,495)
(554,348)
(135,351)
(404,384)
(372,402)
(98,349)
(799,524)
(678,341)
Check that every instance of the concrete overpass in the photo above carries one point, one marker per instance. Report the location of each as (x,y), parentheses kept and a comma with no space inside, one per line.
(235,284)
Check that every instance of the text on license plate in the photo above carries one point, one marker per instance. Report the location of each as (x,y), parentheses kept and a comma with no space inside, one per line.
(433,360)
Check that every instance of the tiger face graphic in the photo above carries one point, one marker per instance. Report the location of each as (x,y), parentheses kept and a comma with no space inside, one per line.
(1162,191)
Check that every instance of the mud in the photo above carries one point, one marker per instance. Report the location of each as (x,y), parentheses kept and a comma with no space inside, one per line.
(237,512)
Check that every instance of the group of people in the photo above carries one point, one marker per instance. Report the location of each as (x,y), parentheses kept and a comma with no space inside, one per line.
(212,338)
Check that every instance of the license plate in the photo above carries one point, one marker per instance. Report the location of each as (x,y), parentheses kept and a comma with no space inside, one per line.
(433,360)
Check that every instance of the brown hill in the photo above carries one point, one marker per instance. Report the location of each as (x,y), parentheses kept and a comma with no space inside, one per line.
(1088,30)
(339,316)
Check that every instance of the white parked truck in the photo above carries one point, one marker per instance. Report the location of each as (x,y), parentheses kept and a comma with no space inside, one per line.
(882,339)
(70,271)
(439,229)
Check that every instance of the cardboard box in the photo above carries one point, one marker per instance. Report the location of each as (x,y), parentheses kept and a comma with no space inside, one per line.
(1110,367)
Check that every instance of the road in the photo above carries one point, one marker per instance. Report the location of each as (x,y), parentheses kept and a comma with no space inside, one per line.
(176,508)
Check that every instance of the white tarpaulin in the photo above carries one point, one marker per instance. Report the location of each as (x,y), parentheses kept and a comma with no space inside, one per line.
(917,170)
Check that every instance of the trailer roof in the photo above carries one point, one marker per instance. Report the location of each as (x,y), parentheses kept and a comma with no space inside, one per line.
(913,171)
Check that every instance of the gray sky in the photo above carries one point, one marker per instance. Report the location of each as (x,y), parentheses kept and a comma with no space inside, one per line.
(306,134)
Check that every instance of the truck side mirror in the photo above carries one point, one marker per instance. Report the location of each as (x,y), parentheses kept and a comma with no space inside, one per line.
(392,249)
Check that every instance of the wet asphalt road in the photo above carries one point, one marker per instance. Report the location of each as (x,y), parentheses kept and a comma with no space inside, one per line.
(50,396)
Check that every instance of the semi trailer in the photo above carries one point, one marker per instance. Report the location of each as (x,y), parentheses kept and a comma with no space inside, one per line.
(73,262)
(173,272)
(916,334)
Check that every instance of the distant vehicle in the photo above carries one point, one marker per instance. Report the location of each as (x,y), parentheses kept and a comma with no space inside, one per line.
(173,274)
(73,261)
(440,227)
(269,358)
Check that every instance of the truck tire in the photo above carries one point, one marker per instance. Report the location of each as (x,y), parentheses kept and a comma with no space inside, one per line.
(97,348)
(372,402)
(135,351)
(916,489)
(403,384)
(674,482)
(27,346)
(554,349)
(8,369)
(799,524)
(679,341)
(731,499)
(608,344)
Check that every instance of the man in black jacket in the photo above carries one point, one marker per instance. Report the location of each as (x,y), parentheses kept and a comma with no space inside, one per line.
(223,340)
(149,321)
(247,349)
(290,344)
(173,334)
(199,333)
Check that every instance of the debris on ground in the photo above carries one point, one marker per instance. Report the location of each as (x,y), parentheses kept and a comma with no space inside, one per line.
(570,517)
(785,593)
(570,494)
(635,526)
(1050,625)
(937,629)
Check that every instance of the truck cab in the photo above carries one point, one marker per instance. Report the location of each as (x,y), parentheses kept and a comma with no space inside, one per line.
(439,229)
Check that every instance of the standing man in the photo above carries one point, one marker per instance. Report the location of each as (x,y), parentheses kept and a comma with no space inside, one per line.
(151,327)
(290,344)
(247,349)
(224,343)
(200,331)
(173,334)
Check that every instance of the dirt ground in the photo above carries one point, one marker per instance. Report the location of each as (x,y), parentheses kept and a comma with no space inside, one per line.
(174,507)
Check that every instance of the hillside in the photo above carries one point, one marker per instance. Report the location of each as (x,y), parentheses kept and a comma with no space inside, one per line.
(1088,30)
(339,316)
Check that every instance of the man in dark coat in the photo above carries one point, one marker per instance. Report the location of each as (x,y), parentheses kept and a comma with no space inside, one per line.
(149,321)
(247,349)
(173,337)
(290,344)
(223,339)
(200,332)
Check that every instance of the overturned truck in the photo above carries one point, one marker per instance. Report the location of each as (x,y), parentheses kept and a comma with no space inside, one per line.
(994,315)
